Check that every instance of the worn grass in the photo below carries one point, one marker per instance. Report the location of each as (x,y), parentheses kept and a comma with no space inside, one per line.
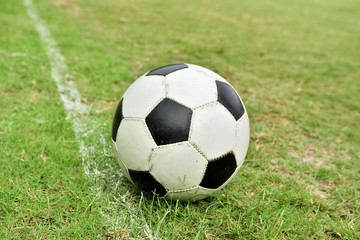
(295,64)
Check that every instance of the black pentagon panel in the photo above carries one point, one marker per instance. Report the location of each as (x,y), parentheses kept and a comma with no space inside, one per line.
(228,97)
(146,182)
(219,171)
(117,119)
(169,122)
(165,70)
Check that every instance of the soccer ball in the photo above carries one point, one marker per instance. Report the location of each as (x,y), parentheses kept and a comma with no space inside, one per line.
(180,131)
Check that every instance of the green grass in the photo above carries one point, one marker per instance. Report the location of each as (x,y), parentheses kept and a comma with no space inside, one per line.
(295,64)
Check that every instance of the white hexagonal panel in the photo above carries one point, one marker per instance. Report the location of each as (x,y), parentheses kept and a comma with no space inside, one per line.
(191,88)
(242,139)
(120,161)
(207,72)
(213,130)
(134,144)
(141,97)
(178,166)
(193,194)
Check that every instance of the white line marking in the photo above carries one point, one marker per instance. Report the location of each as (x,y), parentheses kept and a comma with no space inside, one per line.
(69,95)
(92,144)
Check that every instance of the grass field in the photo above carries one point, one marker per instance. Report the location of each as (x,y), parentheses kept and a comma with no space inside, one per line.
(296,65)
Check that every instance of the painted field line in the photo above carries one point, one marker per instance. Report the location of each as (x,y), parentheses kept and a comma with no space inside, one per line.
(92,144)
(69,95)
